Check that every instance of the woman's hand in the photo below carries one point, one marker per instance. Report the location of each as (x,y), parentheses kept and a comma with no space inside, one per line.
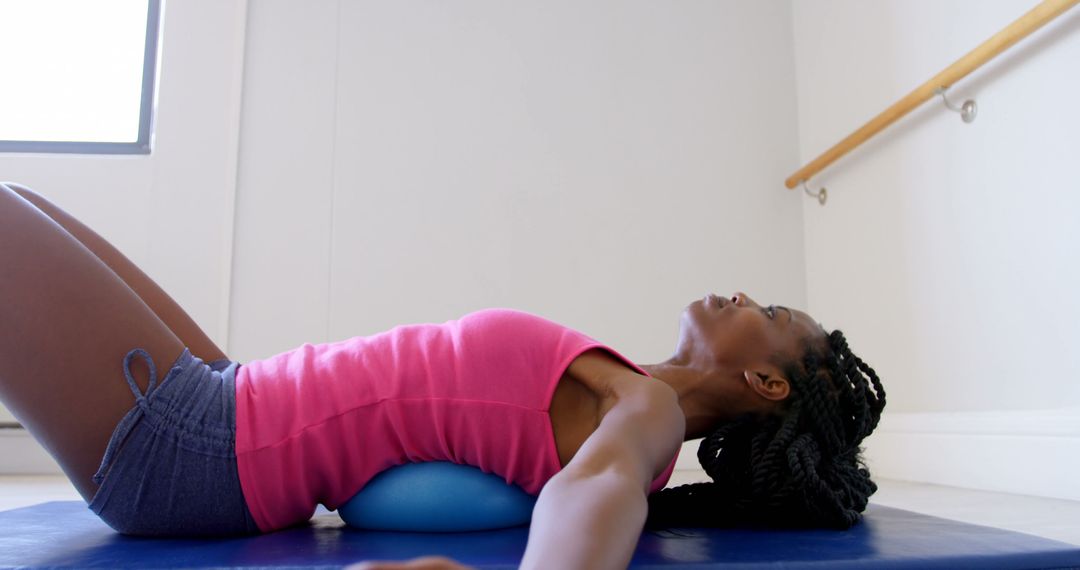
(422,563)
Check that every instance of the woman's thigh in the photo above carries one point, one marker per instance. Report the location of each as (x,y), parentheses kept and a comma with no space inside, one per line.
(169,311)
(66,323)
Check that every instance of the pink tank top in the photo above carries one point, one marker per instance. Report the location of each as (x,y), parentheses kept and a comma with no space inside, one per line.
(315,424)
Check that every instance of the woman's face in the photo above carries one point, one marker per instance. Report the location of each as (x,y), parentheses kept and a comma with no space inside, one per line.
(735,333)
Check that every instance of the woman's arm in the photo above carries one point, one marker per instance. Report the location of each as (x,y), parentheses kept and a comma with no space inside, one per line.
(591,513)
(586,521)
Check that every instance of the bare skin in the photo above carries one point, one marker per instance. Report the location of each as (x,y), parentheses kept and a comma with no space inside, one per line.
(725,361)
(166,309)
(68,320)
(74,306)
(722,367)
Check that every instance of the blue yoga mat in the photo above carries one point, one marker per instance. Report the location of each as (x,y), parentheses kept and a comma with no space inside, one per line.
(66,534)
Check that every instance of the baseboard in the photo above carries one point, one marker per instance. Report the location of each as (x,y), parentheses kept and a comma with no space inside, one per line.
(1029,452)
(21,454)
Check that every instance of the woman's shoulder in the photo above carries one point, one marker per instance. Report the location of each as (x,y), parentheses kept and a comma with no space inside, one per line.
(612,377)
(513,321)
(595,364)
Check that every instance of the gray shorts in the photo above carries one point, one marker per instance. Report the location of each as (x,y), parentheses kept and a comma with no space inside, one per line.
(170,466)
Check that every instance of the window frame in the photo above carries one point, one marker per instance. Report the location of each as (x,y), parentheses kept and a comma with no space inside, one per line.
(146,107)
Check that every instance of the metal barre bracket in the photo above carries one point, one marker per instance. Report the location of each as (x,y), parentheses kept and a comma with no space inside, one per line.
(821,195)
(967,111)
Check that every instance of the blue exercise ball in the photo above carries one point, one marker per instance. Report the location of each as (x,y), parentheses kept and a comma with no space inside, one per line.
(437,496)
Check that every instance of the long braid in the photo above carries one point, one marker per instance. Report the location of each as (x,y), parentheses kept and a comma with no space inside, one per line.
(803,468)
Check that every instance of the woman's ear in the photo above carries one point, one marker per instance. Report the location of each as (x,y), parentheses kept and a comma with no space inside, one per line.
(773,388)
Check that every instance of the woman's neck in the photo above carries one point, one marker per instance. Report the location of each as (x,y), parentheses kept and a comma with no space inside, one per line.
(685,382)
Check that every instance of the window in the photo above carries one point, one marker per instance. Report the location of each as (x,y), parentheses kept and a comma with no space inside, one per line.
(78,76)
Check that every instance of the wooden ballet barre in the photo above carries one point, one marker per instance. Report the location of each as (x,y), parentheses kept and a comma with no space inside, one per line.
(999,42)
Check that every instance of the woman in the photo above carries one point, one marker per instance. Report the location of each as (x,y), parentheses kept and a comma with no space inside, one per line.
(782,405)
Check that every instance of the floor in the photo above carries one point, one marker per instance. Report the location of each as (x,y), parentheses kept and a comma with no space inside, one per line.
(1050,518)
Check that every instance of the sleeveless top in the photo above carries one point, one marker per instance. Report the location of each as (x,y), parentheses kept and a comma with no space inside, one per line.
(315,424)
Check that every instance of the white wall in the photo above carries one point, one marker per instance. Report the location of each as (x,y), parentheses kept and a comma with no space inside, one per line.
(602,164)
(948,251)
(171,211)
(605,163)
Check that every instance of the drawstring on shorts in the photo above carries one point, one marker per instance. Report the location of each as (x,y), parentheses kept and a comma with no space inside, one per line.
(141,399)
(133,416)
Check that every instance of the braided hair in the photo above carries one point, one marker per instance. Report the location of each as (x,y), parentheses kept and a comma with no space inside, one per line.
(802,468)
